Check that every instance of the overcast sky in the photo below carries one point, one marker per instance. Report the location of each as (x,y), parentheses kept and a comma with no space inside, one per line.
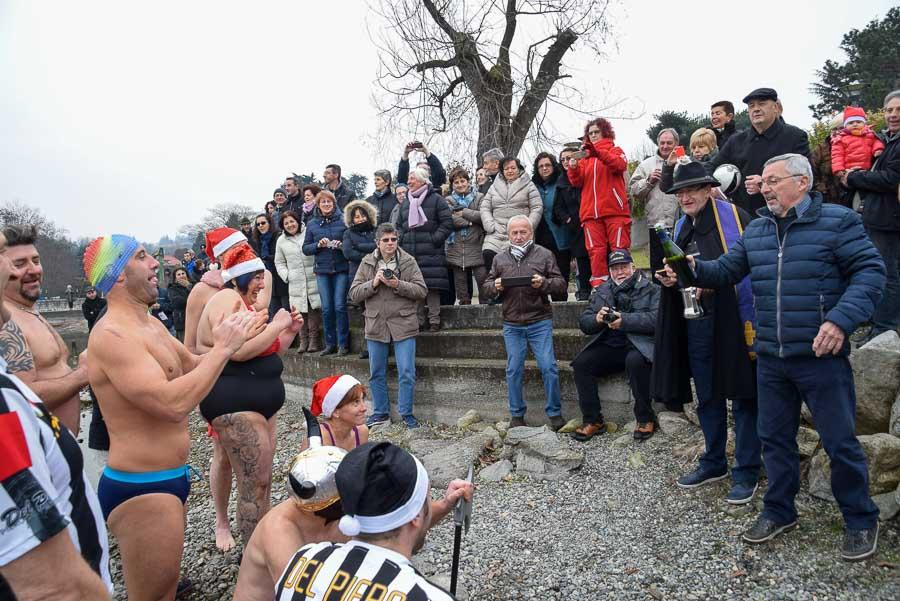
(129,117)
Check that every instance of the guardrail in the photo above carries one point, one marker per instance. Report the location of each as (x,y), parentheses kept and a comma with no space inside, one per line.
(60,304)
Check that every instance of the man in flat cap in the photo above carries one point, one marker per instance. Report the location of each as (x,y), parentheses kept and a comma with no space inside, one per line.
(384,493)
(767,137)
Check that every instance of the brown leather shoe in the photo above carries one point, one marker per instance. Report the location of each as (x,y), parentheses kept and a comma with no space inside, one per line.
(644,431)
(588,431)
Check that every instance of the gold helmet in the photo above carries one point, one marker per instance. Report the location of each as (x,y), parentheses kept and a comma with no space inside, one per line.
(311,477)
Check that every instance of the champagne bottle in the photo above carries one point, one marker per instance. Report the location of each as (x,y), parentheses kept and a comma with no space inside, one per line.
(675,257)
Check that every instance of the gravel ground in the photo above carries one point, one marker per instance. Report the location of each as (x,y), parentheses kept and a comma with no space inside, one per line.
(612,530)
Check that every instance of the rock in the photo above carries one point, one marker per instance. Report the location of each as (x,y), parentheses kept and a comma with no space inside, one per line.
(471,417)
(690,413)
(479,427)
(496,471)
(421,448)
(895,417)
(570,426)
(807,442)
(674,424)
(501,427)
(888,507)
(452,460)
(612,427)
(443,581)
(876,373)
(883,458)
(622,441)
(540,454)
(636,460)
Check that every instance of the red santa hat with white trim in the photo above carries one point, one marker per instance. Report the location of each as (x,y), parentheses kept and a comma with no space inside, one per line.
(329,392)
(230,249)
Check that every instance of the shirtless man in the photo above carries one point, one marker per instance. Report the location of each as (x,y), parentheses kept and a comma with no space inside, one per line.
(147,384)
(34,351)
(220,472)
(300,521)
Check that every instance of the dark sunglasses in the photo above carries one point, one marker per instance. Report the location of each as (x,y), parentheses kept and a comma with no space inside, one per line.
(259,223)
(394,239)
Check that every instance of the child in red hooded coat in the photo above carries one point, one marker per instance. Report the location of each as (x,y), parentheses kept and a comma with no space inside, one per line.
(856,145)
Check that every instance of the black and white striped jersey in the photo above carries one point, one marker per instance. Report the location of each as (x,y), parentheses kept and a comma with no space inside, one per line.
(355,570)
(43,488)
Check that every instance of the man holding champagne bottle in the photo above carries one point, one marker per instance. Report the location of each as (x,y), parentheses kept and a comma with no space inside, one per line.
(816,276)
(714,345)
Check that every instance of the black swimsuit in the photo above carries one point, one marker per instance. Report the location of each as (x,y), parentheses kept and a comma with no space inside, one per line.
(253,385)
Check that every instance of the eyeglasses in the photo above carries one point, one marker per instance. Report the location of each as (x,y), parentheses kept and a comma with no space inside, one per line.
(261,223)
(774,180)
(394,239)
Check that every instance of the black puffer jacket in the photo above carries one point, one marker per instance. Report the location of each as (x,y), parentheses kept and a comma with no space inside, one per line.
(565,212)
(426,242)
(178,296)
(880,187)
(383,204)
(359,240)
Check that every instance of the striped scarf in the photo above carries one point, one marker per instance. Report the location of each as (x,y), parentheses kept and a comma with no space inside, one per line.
(519,252)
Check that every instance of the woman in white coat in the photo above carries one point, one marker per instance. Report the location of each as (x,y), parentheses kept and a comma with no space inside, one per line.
(296,269)
(513,193)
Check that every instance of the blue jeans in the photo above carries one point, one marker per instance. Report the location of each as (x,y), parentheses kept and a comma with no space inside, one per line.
(712,411)
(826,384)
(887,313)
(333,292)
(517,339)
(405,355)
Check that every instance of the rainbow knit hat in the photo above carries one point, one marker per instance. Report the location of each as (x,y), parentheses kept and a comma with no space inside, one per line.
(105,258)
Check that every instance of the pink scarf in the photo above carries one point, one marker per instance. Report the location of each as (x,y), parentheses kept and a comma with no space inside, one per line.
(416,214)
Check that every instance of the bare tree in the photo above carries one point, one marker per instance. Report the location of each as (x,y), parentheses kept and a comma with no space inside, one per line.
(440,59)
(220,215)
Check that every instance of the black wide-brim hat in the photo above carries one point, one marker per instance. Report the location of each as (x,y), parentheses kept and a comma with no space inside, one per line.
(691,174)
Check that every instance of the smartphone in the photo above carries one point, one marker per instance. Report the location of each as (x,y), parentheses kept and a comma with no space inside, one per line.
(581,154)
(679,151)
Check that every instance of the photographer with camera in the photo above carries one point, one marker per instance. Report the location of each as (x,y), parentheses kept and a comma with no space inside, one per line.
(621,317)
(391,285)
(431,163)
(523,276)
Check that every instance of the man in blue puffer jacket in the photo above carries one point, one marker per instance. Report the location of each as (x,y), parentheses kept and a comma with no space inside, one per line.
(815,277)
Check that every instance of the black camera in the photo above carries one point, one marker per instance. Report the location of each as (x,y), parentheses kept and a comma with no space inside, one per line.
(610,317)
(389,274)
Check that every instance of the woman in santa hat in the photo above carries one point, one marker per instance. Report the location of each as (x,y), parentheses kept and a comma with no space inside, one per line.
(242,405)
(340,404)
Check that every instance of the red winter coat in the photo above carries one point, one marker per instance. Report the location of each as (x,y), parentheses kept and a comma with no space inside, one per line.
(848,151)
(601,178)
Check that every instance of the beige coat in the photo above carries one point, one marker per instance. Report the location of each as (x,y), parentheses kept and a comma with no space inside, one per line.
(296,269)
(505,200)
(659,206)
(390,312)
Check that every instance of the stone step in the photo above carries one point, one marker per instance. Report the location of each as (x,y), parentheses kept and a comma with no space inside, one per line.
(480,317)
(478,344)
(447,388)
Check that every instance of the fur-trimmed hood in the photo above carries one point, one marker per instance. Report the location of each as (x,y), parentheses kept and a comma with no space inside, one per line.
(367,207)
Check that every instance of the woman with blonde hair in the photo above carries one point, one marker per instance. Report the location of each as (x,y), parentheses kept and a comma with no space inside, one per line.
(703,145)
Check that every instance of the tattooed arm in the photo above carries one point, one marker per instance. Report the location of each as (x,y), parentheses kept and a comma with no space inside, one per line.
(19,360)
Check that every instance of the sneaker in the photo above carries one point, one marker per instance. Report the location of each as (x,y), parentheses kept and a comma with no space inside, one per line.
(643,431)
(516,420)
(556,422)
(699,477)
(764,530)
(410,421)
(588,431)
(364,354)
(741,493)
(329,350)
(435,327)
(583,295)
(376,419)
(860,544)
(343,351)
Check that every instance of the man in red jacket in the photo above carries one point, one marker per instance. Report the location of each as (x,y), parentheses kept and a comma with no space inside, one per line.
(605,214)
